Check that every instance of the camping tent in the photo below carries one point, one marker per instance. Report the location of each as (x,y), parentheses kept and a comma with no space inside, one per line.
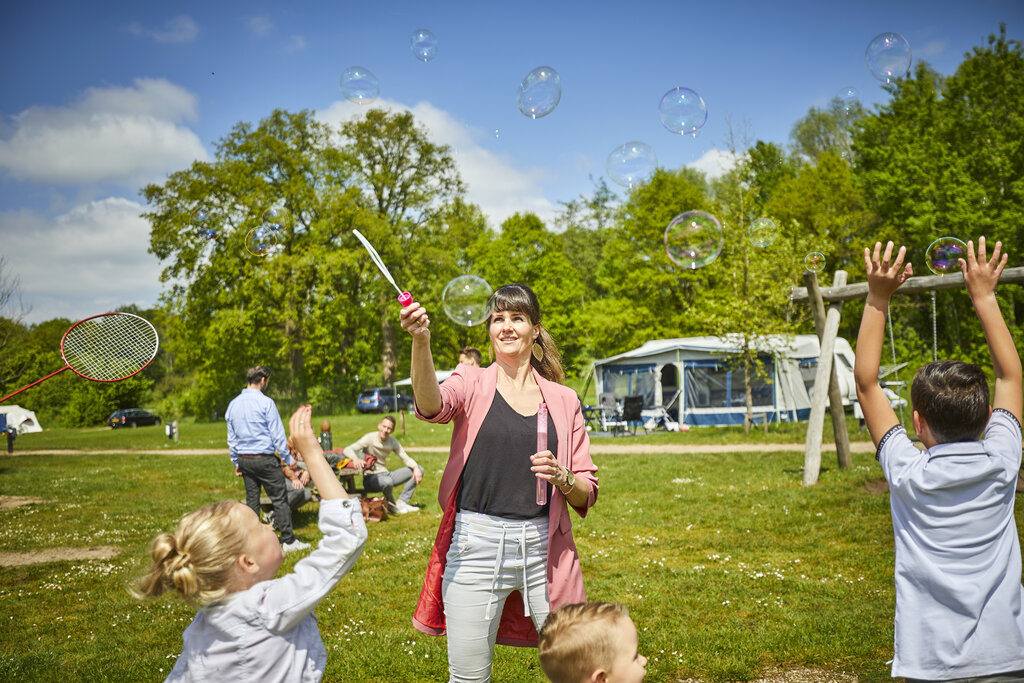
(698,380)
(23,420)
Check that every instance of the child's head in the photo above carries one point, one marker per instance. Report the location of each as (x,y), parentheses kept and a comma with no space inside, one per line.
(952,397)
(592,641)
(216,550)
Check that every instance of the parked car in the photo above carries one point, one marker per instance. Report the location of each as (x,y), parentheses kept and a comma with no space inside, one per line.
(132,417)
(381,400)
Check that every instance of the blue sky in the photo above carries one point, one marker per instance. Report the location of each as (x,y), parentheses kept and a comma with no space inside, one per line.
(98,99)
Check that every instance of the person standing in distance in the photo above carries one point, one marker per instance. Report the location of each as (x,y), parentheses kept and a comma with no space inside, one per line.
(255,438)
(470,355)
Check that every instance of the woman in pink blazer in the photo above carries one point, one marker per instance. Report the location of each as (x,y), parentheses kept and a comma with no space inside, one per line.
(501,561)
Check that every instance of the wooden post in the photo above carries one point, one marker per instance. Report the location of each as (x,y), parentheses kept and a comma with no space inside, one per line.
(822,378)
(835,395)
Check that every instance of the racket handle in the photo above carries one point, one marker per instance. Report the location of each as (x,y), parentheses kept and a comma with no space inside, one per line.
(542,445)
(405,298)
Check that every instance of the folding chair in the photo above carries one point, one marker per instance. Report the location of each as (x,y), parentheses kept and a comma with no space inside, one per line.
(632,412)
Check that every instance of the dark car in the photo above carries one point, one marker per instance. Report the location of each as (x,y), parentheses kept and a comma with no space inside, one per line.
(132,417)
(381,400)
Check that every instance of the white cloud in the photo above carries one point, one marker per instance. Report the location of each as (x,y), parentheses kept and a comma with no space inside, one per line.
(260,26)
(86,261)
(127,135)
(715,162)
(180,29)
(932,48)
(492,181)
(296,43)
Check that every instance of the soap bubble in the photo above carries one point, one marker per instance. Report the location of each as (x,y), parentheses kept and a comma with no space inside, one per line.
(693,239)
(849,98)
(540,92)
(814,262)
(359,85)
(762,232)
(631,164)
(424,45)
(276,219)
(465,300)
(260,241)
(888,57)
(203,226)
(943,253)
(682,111)
(789,291)
(200,216)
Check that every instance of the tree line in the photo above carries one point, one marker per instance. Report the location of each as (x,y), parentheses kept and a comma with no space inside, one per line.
(942,157)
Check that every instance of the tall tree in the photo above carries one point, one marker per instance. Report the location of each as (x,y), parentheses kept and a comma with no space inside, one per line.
(408,179)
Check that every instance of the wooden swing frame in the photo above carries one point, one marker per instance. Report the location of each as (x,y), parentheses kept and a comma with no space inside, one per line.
(826,324)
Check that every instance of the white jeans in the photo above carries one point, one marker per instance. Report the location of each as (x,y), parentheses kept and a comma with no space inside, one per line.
(489,558)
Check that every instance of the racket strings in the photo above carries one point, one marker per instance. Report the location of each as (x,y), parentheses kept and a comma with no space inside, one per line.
(110,347)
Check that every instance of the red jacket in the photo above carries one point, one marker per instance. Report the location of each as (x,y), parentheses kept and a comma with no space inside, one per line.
(466,397)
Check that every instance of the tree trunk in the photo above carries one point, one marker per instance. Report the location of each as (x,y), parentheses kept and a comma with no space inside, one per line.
(748,418)
(387,344)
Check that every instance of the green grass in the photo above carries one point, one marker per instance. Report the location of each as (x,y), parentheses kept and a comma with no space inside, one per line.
(729,568)
(345,429)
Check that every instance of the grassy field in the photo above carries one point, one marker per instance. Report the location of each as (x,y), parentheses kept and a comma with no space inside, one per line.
(729,567)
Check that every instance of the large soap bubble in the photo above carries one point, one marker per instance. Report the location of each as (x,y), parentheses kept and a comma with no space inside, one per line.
(423,44)
(465,300)
(260,241)
(540,92)
(682,111)
(359,85)
(943,255)
(694,239)
(631,164)
(762,232)
(888,57)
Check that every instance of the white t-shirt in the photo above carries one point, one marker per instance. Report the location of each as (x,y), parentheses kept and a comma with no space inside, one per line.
(269,632)
(959,599)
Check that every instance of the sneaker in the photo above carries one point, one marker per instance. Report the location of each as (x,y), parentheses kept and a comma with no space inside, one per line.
(295,545)
(406,507)
(395,509)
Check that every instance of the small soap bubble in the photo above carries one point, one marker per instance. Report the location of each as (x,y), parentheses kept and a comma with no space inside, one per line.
(762,232)
(424,45)
(888,57)
(465,300)
(943,255)
(694,239)
(203,226)
(260,241)
(275,219)
(540,92)
(814,262)
(984,201)
(682,111)
(631,164)
(200,216)
(849,98)
(790,292)
(359,85)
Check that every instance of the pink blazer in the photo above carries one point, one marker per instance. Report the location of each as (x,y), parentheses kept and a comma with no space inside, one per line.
(466,396)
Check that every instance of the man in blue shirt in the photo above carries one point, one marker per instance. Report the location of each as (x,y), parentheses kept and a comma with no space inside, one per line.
(255,439)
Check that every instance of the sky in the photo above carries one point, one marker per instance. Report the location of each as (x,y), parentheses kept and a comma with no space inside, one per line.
(99,99)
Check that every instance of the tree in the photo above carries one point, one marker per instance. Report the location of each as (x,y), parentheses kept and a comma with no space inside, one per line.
(408,179)
(12,313)
(825,130)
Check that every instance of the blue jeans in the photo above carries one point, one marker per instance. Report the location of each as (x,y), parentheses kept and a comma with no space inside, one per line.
(385,483)
(488,559)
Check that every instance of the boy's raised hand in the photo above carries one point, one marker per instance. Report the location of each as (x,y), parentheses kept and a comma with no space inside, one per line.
(981,275)
(883,274)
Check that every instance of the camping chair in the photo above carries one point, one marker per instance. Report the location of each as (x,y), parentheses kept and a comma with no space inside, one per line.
(611,418)
(632,412)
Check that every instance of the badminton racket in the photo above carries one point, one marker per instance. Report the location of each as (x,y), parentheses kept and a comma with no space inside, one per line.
(105,348)
(542,445)
(404,298)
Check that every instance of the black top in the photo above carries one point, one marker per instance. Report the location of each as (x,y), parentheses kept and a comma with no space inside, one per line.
(497,479)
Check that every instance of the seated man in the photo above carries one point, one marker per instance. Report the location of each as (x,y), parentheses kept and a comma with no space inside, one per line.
(376,477)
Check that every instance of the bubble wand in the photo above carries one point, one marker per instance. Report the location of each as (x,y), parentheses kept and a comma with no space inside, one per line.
(404,298)
(542,445)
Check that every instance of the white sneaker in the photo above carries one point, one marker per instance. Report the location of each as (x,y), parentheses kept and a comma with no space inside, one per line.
(295,545)
(404,507)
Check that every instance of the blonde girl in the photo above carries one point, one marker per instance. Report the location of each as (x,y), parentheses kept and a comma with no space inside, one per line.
(251,626)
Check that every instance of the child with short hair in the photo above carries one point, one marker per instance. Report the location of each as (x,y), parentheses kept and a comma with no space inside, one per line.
(253,627)
(959,599)
(592,642)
